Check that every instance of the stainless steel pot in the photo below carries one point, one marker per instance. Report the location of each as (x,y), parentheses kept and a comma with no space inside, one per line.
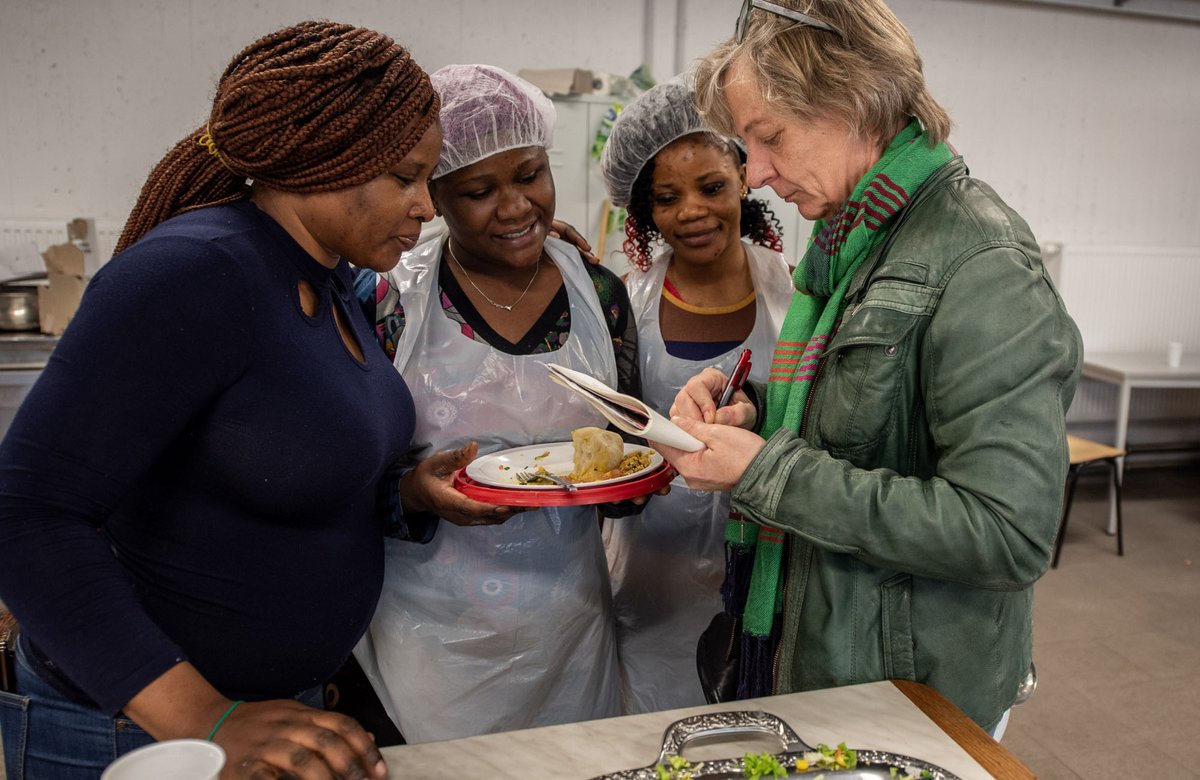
(18,308)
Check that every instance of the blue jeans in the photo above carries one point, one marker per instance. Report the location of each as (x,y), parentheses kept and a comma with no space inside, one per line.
(48,736)
(998,732)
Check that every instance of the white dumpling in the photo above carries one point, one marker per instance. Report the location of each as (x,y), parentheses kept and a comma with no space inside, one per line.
(597,452)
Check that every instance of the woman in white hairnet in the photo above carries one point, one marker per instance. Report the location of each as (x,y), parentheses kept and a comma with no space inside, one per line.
(497,627)
(719,286)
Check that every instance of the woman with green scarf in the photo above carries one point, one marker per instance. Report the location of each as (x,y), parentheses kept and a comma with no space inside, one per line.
(900,475)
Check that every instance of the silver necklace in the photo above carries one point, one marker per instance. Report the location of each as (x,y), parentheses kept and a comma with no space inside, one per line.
(486,297)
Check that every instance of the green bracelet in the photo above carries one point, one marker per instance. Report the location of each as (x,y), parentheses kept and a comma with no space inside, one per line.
(232,707)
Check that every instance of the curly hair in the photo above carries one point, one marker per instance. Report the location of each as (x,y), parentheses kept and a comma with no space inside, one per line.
(314,107)
(757,221)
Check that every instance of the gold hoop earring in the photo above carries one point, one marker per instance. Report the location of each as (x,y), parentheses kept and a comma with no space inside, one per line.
(745,192)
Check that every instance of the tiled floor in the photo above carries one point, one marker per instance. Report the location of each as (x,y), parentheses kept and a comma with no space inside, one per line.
(1117,640)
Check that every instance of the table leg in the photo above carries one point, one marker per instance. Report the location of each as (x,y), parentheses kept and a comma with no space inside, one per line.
(1123,394)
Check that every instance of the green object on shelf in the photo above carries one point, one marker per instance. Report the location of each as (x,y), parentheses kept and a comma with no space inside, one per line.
(605,128)
(641,78)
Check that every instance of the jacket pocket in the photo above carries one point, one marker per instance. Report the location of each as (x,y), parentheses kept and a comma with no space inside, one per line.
(864,380)
(14,731)
(896,622)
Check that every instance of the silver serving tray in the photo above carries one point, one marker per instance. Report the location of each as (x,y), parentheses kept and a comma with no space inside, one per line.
(871,763)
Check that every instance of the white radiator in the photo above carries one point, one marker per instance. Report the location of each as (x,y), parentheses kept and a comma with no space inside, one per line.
(1132,298)
(1136,299)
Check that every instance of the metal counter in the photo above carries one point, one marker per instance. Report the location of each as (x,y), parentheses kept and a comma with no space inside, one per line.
(22,357)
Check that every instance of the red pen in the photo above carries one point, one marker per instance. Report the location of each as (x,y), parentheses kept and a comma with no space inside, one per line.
(737,378)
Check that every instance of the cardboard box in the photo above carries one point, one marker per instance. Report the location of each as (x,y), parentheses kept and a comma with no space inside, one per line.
(59,297)
(82,233)
(560,81)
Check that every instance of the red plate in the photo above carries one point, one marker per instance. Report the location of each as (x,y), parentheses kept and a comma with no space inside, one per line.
(618,491)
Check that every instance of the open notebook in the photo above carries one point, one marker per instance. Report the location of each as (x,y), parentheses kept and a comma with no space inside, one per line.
(624,411)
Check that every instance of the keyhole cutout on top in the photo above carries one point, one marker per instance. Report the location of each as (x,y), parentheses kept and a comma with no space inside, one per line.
(310,304)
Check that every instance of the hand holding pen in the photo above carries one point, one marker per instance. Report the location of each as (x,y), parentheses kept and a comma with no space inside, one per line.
(737,378)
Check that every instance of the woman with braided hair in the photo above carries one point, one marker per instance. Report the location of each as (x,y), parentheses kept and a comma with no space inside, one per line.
(719,286)
(194,496)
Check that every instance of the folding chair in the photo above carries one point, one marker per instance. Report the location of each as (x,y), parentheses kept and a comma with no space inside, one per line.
(1084,453)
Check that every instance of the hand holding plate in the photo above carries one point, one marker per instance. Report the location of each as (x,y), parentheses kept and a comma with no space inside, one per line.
(430,488)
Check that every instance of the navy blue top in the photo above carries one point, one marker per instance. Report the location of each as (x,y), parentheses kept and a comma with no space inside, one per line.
(201,471)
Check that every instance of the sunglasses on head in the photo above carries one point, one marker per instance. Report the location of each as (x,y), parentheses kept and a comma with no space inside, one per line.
(748,6)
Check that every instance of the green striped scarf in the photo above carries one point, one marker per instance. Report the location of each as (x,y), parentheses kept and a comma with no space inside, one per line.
(836,249)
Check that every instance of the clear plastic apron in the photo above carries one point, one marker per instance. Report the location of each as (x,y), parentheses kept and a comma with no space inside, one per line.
(667,564)
(495,628)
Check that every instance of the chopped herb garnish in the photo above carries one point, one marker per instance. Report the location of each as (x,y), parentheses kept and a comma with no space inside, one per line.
(762,765)
(678,768)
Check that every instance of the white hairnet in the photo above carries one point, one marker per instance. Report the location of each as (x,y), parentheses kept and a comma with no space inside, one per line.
(657,117)
(485,111)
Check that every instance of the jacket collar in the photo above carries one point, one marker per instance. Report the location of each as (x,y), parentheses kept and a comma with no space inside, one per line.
(952,169)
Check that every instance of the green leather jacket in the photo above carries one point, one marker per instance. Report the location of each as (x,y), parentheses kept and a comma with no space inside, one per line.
(923,497)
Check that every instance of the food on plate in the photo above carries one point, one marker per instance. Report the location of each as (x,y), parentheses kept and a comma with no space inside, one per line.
(593,457)
(597,452)
(768,766)
(539,476)
(629,464)
(634,461)
(600,454)
(758,766)
(826,757)
(676,768)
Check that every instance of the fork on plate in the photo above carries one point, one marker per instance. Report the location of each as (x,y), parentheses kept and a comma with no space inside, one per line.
(524,477)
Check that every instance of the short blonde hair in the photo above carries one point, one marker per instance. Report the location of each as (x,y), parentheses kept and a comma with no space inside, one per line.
(872,79)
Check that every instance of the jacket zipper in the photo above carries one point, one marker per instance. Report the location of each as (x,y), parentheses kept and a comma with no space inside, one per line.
(787,540)
(920,195)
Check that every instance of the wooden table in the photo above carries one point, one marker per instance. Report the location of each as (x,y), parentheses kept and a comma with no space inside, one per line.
(1130,371)
(899,717)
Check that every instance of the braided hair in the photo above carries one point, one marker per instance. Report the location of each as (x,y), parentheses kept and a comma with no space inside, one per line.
(314,107)
(758,221)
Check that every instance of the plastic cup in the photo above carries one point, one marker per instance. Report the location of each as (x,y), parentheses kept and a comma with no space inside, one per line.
(1174,353)
(172,759)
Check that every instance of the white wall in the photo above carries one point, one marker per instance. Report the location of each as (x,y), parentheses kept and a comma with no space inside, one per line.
(94,92)
(1083,121)
(1089,129)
